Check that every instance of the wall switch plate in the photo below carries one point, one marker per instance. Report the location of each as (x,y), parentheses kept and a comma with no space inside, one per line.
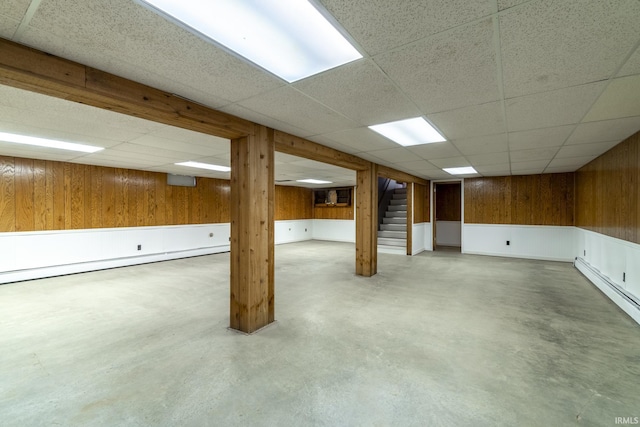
(139,247)
(585,253)
(508,242)
(624,277)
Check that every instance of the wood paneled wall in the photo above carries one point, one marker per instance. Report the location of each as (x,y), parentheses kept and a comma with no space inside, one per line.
(607,192)
(38,195)
(293,203)
(333,212)
(421,212)
(448,202)
(527,200)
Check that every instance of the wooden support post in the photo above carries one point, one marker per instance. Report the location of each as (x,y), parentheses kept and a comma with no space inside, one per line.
(409,218)
(252,228)
(367,221)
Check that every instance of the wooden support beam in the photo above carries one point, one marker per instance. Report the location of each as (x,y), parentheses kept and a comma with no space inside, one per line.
(296,146)
(396,175)
(36,71)
(252,230)
(410,205)
(367,221)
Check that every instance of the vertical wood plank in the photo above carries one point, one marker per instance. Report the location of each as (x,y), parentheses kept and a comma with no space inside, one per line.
(49,196)
(39,195)
(252,227)
(108,198)
(59,196)
(7,194)
(77,196)
(24,194)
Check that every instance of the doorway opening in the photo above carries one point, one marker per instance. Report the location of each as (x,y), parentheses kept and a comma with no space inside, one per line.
(447,213)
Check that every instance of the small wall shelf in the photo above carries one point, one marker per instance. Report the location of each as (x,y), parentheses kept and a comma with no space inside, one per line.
(322,197)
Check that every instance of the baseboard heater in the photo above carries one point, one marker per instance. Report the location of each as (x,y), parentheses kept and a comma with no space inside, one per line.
(586,268)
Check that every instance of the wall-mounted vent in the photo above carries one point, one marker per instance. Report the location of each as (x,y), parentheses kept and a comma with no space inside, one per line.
(181,180)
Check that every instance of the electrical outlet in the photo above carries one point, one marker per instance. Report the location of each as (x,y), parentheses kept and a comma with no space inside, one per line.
(210,234)
(624,277)
(305,230)
(508,242)
(584,253)
(139,247)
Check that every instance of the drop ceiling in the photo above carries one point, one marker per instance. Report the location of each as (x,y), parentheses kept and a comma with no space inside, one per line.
(516,87)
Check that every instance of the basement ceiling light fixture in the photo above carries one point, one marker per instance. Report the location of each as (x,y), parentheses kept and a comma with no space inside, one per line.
(207,166)
(289,38)
(409,132)
(48,143)
(461,171)
(314,181)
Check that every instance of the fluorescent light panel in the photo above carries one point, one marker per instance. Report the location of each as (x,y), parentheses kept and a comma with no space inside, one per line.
(314,181)
(289,38)
(409,132)
(49,143)
(460,171)
(205,166)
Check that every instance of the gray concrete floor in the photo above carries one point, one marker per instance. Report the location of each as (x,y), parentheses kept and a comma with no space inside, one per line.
(437,339)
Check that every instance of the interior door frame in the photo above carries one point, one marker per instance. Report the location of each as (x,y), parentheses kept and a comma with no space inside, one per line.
(432,206)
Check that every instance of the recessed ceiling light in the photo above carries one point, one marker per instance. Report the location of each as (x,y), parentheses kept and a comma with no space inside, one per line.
(289,38)
(408,132)
(49,143)
(205,166)
(460,171)
(313,181)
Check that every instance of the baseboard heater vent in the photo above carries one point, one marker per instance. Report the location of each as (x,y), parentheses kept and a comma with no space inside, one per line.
(581,264)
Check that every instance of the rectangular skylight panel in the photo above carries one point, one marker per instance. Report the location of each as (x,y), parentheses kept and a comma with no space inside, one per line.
(313,181)
(409,132)
(48,143)
(461,171)
(289,38)
(205,166)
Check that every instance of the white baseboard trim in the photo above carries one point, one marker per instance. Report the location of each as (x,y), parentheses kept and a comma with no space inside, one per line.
(83,267)
(536,257)
(626,302)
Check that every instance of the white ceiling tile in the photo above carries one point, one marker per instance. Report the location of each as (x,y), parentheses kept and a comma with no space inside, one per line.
(551,44)
(140,37)
(529,165)
(449,70)
(583,150)
(489,159)
(8,27)
(289,105)
(632,66)
(575,162)
(31,152)
(535,154)
(607,130)
(370,157)
(14,9)
(39,132)
(182,146)
(395,155)
(282,158)
(221,160)
(540,138)
(620,99)
(506,4)
(477,120)
(327,142)
(482,144)
(254,116)
(361,139)
(361,92)
(417,165)
(451,162)
(440,174)
(146,151)
(383,25)
(494,170)
(553,108)
(190,137)
(438,150)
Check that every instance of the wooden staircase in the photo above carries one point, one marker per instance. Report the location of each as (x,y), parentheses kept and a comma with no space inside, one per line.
(392,234)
